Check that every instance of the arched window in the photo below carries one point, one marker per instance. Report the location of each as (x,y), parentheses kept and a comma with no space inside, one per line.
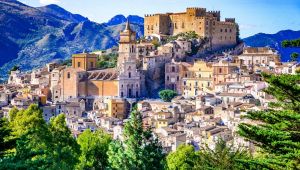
(129,74)
(173,69)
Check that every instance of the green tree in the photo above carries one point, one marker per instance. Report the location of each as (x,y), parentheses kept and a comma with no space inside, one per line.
(222,157)
(39,145)
(294,56)
(13,113)
(67,62)
(139,150)
(30,132)
(167,95)
(94,147)
(5,142)
(290,43)
(63,149)
(278,133)
(107,61)
(155,42)
(14,68)
(184,158)
(23,121)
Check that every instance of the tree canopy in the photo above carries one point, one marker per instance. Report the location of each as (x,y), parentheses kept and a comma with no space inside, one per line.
(222,157)
(185,157)
(107,61)
(94,147)
(167,95)
(291,43)
(138,150)
(294,56)
(40,145)
(278,133)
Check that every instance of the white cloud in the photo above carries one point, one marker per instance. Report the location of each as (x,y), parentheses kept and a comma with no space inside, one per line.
(46,2)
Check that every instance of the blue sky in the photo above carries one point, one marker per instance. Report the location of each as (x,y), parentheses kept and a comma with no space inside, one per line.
(254,16)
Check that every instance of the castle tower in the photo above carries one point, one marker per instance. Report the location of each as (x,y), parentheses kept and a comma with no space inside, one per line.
(131,80)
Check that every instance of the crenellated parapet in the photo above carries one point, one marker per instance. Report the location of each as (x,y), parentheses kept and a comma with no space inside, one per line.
(232,20)
(153,15)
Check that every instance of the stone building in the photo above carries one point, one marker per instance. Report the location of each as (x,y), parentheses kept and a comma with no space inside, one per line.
(174,73)
(223,70)
(258,56)
(199,80)
(84,80)
(204,23)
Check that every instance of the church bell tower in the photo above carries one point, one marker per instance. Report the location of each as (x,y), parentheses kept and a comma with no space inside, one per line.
(131,80)
(127,45)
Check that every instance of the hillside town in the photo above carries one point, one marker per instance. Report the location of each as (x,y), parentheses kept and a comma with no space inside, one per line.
(216,84)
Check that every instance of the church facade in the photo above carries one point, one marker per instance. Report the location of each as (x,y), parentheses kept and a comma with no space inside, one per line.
(83,80)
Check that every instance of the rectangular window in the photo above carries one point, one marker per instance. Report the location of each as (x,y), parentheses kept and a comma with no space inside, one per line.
(78,64)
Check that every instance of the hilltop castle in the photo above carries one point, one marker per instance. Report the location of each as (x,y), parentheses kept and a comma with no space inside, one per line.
(204,23)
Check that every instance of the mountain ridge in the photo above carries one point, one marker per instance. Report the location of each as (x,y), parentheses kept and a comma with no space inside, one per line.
(31,37)
(58,11)
(274,41)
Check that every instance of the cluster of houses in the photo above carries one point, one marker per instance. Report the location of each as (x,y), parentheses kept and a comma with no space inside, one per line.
(213,93)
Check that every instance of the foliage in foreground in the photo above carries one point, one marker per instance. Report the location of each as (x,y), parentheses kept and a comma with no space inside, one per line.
(278,134)
(94,146)
(28,142)
(139,150)
(40,145)
(221,157)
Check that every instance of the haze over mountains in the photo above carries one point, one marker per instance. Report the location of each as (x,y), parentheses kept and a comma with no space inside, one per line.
(31,37)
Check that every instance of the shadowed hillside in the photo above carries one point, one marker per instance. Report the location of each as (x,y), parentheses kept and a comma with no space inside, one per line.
(31,37)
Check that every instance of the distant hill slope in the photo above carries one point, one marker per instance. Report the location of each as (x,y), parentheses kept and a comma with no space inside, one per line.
(274,41)
(118,19)
(58,11)
(31,37)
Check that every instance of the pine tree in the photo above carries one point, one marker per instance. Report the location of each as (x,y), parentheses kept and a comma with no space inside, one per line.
(139,150)
(223,157)
(278,133)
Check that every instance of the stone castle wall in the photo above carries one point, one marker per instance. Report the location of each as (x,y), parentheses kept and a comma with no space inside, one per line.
(204,23)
